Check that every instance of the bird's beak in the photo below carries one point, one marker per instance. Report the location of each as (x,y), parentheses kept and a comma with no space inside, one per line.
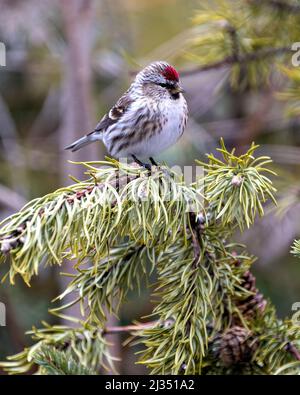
(177,89)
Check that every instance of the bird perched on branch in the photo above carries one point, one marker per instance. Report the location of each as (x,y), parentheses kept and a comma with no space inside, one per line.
(147,119)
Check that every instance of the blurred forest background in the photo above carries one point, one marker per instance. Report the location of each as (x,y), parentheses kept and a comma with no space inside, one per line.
(67,62)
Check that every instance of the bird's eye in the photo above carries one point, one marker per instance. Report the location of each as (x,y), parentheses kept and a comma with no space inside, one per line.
(166,85)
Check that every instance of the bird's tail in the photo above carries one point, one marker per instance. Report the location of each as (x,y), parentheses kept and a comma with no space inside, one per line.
(83,141)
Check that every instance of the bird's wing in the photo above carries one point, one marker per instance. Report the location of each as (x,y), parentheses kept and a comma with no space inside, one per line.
(115,114)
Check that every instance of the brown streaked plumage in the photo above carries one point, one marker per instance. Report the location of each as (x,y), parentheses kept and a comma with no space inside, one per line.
(148,118)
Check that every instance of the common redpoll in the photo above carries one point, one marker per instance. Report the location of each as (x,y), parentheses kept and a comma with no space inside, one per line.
(147,119)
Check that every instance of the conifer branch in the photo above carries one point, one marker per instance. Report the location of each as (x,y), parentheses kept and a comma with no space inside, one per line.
(279,5)
(242,59)
(55,362)
(201,292)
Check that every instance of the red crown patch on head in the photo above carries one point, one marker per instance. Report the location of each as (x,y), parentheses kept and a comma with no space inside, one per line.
(170,73)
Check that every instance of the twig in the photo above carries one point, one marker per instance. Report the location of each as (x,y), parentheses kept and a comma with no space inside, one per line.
(242,59)
(279,5)
(196,239)
(234,42)
(129,328)
(293,351)
(196,249)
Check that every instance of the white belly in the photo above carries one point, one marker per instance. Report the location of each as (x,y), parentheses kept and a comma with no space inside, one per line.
(172,129)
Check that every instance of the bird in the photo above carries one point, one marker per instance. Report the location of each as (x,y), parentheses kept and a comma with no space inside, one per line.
(149,117)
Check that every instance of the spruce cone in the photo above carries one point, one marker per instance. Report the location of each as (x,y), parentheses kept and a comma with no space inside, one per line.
(249,281)
(253,303)
(235,346)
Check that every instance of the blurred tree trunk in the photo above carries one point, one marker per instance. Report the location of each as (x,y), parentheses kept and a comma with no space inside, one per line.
(77,16)
(77,103)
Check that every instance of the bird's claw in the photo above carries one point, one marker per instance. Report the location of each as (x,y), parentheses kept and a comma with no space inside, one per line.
(147,166)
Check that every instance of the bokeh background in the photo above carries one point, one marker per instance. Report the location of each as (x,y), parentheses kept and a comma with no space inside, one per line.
(67,62)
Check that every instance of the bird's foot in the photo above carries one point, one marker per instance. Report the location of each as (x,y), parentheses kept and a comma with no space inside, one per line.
(146,166)
(153,162)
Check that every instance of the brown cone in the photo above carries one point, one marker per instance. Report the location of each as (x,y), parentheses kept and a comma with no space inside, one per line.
(236,346)
(253,303)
